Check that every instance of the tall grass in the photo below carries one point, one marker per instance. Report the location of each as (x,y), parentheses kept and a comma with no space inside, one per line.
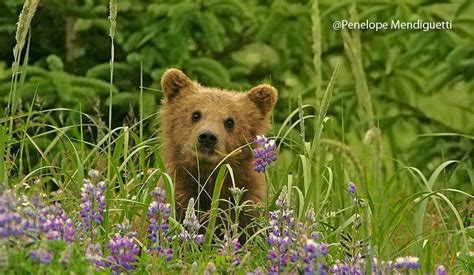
(23,27)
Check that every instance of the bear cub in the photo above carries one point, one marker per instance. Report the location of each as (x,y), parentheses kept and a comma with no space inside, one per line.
(200,127)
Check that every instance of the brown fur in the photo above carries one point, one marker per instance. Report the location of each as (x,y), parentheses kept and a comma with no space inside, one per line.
(189,168)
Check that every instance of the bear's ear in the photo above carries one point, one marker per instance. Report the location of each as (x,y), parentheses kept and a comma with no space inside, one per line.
(264,96)
(173,81)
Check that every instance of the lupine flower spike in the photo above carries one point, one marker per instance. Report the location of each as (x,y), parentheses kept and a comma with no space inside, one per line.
(230,248)
(41,256)
(12,224)
(264,154)
(351,188)
(408,262)
(125,229)
(191,225)
(92,206)
(441,270)
(56,224)
(123,253)
(281,234)
(158,213)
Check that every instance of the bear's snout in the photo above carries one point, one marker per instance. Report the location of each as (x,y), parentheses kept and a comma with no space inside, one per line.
(207,139)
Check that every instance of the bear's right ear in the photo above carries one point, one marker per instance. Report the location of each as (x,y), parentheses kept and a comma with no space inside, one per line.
(264,96)
(173,81)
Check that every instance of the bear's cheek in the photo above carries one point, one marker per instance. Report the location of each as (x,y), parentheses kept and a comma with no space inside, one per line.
(238,137)
(183,132)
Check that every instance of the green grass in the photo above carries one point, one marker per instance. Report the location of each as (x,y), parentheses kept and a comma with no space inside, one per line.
(399,210)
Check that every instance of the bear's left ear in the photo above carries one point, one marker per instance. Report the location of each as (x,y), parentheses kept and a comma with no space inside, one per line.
(173,81)
(264,96)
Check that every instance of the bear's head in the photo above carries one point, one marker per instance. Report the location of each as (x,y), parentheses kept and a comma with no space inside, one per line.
(207,123)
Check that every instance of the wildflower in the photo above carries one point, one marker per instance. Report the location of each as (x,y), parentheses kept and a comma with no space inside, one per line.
(12,224)
(311,225)
(158,194)
(210,268)
(168,254)
(441,270)
(293,243)
(310,249)
(190,220)
(353,268)
(56,224)
(92,205)
(323,249)
(281,234)
(158,213)
(93,174)
(125,228)
(351,188)
(264,154)
(94,254)
(123,253)
(260,139)
(408,262)
(191,225)
(229,248)
(41,255)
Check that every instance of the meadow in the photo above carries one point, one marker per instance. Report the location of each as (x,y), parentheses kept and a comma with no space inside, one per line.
(373,136)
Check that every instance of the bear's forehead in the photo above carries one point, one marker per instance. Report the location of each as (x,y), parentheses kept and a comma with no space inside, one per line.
(210,98)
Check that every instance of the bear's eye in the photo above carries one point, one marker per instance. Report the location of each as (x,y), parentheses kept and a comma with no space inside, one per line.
(196,116)
(229,123)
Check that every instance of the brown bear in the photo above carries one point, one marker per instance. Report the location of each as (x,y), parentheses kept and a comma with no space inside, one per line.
(200,126)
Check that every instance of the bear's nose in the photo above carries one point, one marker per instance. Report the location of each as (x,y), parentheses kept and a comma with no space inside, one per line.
(207,139)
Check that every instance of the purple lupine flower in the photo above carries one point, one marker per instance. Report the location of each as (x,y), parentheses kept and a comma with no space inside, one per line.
(441,270)
(123,253)
(169,254)
(158,194)
(351,188)
(282,234)
(55,223)
(125,229)
(94,255)
(408,262)
(265,154)
(357,265)
(230,248)
(342,268)
(323,249)
(323,269)
(261,139)
(158,213)
(32,213)
(289,241)
(191,225)
(307,254)
(92,206)
(310,225)
(335,268)
(41,255)
(12,224)
(389,265)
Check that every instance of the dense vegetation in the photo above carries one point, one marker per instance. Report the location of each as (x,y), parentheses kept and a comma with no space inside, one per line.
(391,111)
